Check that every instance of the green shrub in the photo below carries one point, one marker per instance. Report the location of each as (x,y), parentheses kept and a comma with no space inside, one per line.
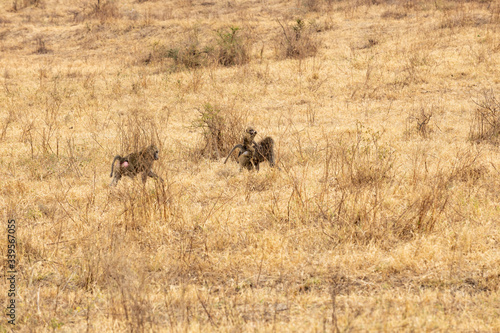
(297,41)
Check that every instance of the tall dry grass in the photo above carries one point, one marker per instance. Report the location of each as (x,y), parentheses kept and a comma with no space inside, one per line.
(382,216)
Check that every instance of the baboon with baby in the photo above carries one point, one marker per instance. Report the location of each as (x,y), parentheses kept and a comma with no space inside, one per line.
(251,153)
(247,151)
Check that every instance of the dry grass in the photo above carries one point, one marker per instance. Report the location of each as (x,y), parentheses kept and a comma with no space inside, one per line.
(383,217)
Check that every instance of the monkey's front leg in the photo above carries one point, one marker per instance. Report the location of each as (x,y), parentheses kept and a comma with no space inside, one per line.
(154,175)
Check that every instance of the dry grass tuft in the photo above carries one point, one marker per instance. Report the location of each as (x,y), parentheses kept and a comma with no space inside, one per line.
(486,119)
(21,4)
(298,40)
(222,128)
(361,160)
(417,123)
(40,46)
(104,10)
(229,47)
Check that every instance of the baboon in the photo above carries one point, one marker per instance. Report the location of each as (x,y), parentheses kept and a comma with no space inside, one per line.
(264,150)
(251,155)
(247,151)
(135,163)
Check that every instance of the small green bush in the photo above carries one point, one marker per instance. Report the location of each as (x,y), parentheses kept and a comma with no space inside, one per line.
(297,41)
(228,48)
(221,129)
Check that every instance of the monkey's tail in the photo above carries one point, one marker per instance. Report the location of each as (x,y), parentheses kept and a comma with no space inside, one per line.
(267,145)
(117,157)
(237,146)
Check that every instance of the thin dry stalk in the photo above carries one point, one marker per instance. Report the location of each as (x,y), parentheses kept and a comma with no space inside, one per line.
(486,119)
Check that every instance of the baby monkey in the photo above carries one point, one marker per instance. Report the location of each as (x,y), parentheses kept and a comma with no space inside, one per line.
(247,151)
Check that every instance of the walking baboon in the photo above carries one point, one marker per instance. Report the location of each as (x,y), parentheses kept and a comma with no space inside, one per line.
(135,163)
(251,155)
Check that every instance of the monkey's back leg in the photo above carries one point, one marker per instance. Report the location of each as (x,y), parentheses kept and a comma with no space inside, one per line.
(116,178)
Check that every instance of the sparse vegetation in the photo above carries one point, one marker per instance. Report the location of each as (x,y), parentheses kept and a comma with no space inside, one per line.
(41,48)
(103,10)
(232,48)
(382,217)
(221,128)
(486,119)
(228,48)
(21,4)
(418,123)
(298,40)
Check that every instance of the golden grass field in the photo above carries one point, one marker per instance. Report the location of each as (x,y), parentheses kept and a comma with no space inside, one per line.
(383,216)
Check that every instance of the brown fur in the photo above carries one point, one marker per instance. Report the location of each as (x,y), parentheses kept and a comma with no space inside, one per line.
(251,153)
(138,162)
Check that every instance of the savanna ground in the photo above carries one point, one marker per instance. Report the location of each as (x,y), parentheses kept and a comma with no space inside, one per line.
(384,215)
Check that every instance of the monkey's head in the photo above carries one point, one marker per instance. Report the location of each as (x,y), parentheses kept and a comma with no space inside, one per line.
(154,151)
(251,132)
